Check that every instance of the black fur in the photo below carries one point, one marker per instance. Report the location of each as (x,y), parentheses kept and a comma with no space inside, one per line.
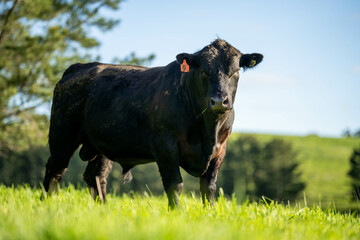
(135,115)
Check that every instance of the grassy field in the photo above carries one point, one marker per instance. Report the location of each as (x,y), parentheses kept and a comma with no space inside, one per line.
(72,214)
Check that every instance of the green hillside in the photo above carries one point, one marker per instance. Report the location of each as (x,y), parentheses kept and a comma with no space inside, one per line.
(324,163)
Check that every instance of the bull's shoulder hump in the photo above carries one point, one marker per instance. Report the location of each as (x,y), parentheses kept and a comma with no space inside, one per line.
(99,67)
(78,67)
(127,67)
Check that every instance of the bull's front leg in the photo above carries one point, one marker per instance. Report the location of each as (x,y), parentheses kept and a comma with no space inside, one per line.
(173,183)
(209,178)
(167,158)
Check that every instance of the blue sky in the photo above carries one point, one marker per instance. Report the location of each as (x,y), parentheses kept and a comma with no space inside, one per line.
(309,81)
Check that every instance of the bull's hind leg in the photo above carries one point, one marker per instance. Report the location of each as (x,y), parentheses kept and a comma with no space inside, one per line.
(62,145)
(95,176)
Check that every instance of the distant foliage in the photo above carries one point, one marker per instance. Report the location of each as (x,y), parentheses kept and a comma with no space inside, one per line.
(238,167)
(357,134)
(23,167)
(275,172)
(39,39)
(253,170)
(354,173)
(348,134)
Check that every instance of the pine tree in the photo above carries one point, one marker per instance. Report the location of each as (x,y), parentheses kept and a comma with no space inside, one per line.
(275,174)
(253,170)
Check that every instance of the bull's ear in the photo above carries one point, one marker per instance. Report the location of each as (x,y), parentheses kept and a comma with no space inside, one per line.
(250,60)
(191,59)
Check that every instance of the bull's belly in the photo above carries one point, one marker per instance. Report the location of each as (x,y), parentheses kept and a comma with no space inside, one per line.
(121,146)
(127,156)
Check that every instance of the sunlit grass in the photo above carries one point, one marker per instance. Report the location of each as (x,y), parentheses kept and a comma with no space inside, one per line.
(72,214)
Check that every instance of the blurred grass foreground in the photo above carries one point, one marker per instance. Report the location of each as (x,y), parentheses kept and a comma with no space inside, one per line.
(72,214)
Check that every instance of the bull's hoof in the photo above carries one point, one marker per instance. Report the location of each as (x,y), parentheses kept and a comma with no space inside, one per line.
(97,192)
(53,186)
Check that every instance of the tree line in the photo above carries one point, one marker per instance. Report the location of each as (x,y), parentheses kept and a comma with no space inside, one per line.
(250,170)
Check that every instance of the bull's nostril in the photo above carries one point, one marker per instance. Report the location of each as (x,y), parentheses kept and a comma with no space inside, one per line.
(219,104)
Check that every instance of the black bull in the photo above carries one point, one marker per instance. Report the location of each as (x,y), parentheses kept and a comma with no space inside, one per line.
(135,115)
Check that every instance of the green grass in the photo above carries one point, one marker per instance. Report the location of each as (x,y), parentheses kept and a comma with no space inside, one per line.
(324,163)
(72,214)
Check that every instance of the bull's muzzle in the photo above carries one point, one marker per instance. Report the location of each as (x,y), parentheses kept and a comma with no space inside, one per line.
(220,104)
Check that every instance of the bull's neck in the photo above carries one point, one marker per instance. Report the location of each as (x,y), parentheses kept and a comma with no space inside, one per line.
(194,94)
(213,123)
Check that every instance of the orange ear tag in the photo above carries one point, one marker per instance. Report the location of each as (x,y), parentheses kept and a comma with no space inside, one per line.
(185,67)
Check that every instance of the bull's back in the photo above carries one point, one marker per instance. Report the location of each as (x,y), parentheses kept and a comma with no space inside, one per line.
(72,91)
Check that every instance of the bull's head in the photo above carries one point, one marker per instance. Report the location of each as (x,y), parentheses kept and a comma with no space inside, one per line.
(214,72)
